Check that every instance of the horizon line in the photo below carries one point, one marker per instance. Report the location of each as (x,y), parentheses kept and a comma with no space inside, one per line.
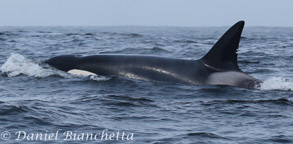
(281,26)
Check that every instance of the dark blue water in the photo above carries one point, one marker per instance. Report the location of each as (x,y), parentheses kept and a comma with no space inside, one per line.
(35,98)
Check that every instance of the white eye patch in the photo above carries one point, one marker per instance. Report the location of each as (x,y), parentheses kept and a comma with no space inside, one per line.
(81,72)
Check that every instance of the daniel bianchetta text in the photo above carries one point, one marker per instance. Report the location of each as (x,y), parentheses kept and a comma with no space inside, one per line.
(104,135)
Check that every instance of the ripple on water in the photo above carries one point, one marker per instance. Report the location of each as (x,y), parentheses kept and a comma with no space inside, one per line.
(7,110)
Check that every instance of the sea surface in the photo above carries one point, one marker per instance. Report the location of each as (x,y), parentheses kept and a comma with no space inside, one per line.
(36,99)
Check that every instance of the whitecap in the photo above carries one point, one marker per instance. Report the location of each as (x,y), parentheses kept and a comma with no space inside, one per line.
(17,64)
(276,83)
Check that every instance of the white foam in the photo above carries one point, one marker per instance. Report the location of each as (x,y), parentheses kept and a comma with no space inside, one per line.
(276,83)
(99,78)
(17,64)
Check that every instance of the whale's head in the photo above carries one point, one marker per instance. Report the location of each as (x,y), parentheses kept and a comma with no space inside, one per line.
(64,62)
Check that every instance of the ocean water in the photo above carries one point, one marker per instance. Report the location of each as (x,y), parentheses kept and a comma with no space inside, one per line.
(36,99)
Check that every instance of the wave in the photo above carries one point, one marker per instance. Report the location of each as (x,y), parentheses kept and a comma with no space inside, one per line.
(133,35)
(159,49)
(185,41)
(280,101)
(154,49)
(205,135)
(12,110)
(3,39)
(281,139)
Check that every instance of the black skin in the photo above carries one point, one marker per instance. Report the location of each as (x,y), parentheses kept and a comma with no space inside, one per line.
(146,67)
(192,72)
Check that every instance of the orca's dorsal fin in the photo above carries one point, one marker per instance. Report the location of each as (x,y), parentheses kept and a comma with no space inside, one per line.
(223,55)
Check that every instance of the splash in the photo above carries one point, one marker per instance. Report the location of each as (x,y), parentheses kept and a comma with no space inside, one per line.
(276,83)
(17,64)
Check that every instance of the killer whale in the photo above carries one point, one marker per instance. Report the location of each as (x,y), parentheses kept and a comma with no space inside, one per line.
(218,67)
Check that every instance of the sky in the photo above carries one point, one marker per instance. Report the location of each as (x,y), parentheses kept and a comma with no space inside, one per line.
(145,12)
